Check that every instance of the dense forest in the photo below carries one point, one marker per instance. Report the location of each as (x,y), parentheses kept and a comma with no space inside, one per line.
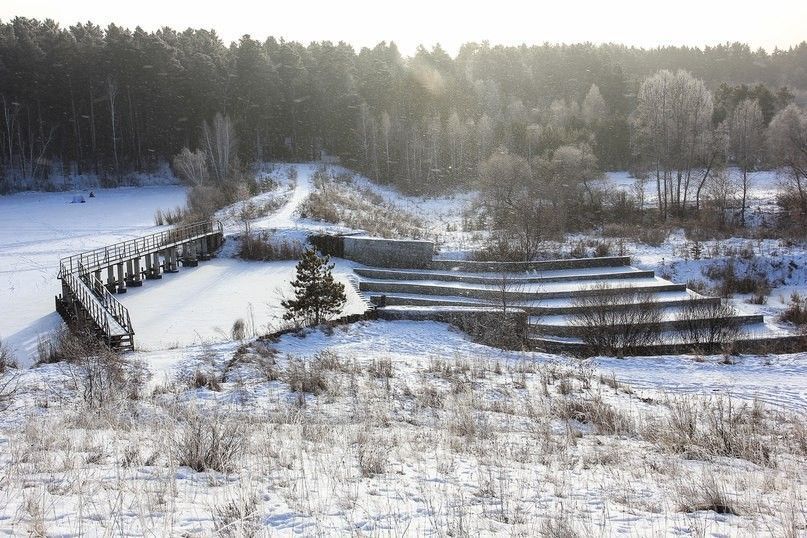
(111,101)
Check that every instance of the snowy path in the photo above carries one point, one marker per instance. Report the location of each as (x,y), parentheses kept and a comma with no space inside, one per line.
(285,217)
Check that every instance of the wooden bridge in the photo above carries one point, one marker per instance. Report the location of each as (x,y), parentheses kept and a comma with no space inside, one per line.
(87,299)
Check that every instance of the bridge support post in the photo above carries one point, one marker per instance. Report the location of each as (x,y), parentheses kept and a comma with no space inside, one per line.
(204,253)
(153,266)
(121,283)
(111,284)
(189,256)
(171,260)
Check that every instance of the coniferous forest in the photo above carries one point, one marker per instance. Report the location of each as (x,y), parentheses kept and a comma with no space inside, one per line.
(110,101)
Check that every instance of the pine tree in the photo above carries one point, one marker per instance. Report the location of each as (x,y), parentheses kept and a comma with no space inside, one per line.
(317,295)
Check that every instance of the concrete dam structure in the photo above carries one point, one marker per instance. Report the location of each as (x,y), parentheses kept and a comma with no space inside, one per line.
(90,279)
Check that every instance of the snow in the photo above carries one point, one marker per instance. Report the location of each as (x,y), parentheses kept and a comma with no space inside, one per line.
(200,304)
(777,380)
(521,468)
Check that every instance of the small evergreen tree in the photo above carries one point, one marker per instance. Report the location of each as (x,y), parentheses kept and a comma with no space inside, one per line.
(317,295)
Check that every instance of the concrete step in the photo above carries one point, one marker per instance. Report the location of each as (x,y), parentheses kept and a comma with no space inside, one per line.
(523,292)
(511,279)
(754,338)
(539,307)
(541,265)
(566,326)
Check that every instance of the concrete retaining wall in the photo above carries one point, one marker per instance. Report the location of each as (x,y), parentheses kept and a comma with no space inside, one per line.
(405,253)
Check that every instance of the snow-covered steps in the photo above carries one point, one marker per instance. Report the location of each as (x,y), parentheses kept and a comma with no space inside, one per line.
(758,338)
(507,278)
(516,292)
(549,298)
(545,307)
(670,320)
(542,265)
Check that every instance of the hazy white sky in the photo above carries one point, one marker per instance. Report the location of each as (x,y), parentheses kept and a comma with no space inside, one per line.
(645,23)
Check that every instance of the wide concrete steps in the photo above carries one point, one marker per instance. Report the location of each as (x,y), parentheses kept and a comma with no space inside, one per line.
(671,319)
(544,307)
(758,338)
(525,291)
(541,265)
(508,278)
(550,296)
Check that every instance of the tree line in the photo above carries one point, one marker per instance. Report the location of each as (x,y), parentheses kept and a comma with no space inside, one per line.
(110,101)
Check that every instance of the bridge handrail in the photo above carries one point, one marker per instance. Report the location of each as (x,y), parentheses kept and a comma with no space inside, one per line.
(118,252)
(118,312)
(84,296)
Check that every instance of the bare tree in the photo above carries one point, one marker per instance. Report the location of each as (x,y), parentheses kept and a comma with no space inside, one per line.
(220,146)
(672,122)
(112,93)
(746,136)
(191,167)
(787,138)
(511,200)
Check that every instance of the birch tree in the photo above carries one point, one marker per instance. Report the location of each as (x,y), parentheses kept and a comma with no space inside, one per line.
(787,140)
(672,125)
(220,145)
(745,140)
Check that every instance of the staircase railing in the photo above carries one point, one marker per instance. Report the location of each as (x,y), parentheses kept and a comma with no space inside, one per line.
(118,312)
(84,295)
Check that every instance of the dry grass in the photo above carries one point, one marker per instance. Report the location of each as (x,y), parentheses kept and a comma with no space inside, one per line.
(344,203)
(208,442)
(469,444)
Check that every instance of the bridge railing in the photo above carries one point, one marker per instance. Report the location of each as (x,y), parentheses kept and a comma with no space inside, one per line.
(132,248)
(118,312)
(84,295)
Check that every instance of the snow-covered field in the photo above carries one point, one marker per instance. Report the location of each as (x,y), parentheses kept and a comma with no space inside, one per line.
(396,428)
(376,427)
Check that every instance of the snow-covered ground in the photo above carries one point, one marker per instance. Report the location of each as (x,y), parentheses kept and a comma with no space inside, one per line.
(412,428)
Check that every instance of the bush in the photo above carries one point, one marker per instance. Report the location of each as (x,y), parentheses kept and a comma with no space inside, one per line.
(359,208)
(606,418)
(170,216)
(706,494)
(796,311)
(709,324)
(305,378)
(7,361)
(209,442)
(372,455)
(239,329)
(204,380)
(610,324)
(262,247)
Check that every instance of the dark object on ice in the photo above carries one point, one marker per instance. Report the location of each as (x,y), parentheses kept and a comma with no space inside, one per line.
(92,194)
(78,199)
